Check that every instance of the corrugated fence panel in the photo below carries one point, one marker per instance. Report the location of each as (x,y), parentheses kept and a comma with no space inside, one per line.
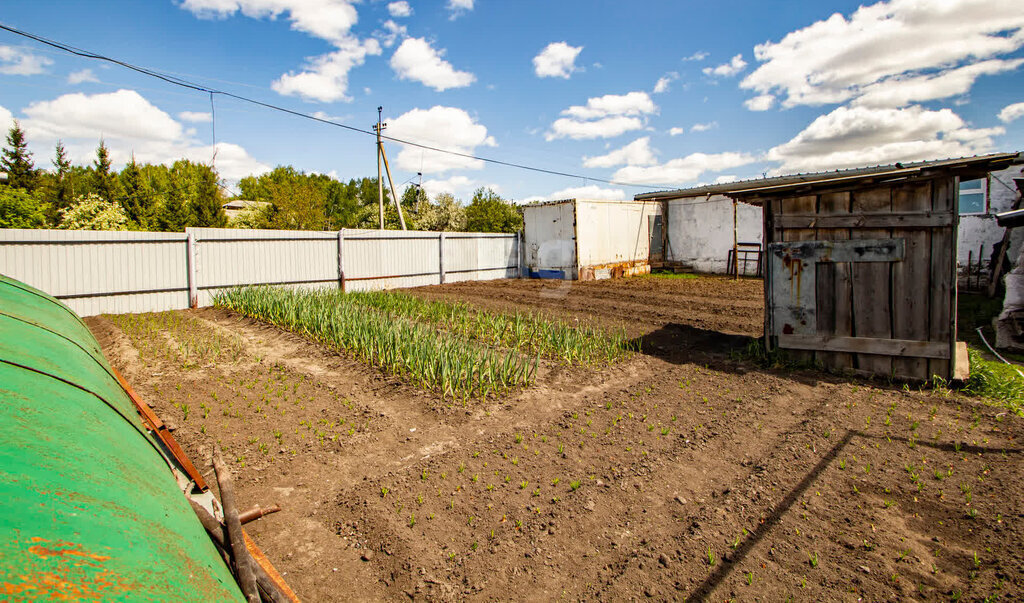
(228,257)
(473,257)
(119,272)
(377,259)
(96,272)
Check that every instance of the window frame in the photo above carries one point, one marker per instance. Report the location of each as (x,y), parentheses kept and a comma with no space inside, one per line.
(982,188)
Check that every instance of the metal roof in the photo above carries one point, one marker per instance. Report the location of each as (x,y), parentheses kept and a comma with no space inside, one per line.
(779,184)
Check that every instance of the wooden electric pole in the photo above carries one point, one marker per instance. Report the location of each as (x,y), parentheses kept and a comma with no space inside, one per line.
(377,127)
(380,182)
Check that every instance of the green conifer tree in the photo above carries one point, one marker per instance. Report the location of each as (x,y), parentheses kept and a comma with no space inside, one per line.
(17,160)
(105,182)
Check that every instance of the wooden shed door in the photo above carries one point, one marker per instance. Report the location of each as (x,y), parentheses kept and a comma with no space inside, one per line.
(862,280)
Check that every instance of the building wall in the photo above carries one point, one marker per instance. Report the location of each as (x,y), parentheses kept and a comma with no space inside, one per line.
(700,231)
(981,229)
(549,234)
(614,238)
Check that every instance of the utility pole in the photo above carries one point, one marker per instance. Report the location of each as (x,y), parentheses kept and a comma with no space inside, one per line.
(380,183)
(377,127)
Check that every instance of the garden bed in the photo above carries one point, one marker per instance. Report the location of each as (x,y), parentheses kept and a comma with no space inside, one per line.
(683,470)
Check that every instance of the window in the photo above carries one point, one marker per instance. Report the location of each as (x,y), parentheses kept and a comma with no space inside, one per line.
(972,196)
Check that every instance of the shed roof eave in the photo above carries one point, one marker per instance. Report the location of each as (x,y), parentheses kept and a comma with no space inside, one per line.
(762,187)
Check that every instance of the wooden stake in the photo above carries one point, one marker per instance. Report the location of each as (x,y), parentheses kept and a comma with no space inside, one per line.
(243,563)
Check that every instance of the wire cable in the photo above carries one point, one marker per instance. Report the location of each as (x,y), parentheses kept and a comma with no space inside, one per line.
(178,81)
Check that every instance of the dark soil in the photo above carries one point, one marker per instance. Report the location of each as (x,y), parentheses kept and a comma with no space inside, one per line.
(682,472)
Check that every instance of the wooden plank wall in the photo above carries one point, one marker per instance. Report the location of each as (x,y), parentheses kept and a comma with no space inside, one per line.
(911,300)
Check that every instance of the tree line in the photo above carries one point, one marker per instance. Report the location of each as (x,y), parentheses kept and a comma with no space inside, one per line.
(155,197)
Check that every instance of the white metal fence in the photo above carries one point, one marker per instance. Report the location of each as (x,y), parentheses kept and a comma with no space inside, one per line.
(97,272)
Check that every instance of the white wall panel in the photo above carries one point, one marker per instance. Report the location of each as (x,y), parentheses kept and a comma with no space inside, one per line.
(611,232)
(700,231)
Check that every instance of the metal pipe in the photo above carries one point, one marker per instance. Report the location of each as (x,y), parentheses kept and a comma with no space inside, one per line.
(256,512)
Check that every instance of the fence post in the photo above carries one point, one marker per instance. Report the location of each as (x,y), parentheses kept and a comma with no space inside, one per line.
(341,259)
(440,256)
(519,254)
(190,264)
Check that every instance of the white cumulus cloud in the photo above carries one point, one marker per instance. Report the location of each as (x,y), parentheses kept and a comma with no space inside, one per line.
(675,131)
(558,59)
(325,78)
(902,90)
(664,82)
(390,33)
(399,9)
(329,20)
(858,136)
(729,69)
(22,61)
(604,117)
(893,53)
(1011,112)
(130,126)
(761,102)
(447,128)
(607,127)
(711,125)
(683,170)
(456,186)
(196,117)
(638,152)
(123,114)
(417,60)
(700,55)
(6,119)
(590,191)
(80,77)
(457,7)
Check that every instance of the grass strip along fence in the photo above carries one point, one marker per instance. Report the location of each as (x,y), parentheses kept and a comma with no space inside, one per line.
(447,346)
(432,359)
(527,332)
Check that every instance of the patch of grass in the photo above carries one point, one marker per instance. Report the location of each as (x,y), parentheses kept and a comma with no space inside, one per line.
(996,381)
(673,275)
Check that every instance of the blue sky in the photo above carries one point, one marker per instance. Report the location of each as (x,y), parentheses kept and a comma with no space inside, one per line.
(648,93)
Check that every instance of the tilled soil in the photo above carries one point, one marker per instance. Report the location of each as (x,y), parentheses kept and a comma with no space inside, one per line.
(681,472)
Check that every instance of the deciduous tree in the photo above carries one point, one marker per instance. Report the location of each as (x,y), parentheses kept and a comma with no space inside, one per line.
(488,212)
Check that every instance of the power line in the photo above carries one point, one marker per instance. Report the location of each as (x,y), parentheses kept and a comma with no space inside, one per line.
(178,81)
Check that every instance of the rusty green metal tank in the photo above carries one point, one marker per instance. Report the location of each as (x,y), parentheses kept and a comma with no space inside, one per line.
(89,508)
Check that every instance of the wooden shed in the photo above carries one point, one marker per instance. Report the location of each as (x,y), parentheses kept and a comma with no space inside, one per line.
(860,268)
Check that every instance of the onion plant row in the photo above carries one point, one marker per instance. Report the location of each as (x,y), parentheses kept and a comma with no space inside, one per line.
(398,344)
(528,332)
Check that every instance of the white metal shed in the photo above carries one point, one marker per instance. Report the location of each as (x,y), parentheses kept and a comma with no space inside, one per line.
(585,239)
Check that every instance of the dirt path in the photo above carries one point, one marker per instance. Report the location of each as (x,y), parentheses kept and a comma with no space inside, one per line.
(682,473)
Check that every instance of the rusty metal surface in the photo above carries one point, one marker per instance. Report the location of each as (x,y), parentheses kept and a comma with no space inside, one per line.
(615,270)
(154,424)
(792,271)
(91,510)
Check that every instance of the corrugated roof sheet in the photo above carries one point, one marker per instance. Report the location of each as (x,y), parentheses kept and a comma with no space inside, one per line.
(781,183)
